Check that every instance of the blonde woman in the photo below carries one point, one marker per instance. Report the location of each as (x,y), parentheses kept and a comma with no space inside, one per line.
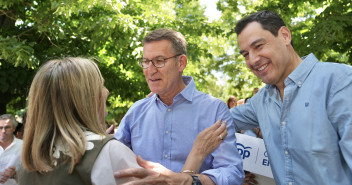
(64,138)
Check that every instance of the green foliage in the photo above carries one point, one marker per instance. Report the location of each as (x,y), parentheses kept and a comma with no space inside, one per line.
(109,30)
(318,26)
(34,31)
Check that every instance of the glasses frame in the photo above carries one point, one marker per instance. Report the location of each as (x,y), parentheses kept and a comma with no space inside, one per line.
(147,60)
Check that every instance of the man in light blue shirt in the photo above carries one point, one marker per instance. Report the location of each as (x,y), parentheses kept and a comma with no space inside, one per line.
(163,127)
(304,111)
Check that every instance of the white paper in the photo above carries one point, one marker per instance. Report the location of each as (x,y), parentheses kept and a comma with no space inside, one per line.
(254,155)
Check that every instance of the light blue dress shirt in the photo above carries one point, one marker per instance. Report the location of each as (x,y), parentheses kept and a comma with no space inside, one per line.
(308,135)
(165,134)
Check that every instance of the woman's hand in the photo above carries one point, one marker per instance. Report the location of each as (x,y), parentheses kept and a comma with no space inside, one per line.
(206,142)
(210,138)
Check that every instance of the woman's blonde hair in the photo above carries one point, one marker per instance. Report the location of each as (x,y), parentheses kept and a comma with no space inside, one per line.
(65,99)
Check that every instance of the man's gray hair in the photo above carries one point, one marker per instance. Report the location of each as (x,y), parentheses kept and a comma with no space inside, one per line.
(177,40)
(10,117)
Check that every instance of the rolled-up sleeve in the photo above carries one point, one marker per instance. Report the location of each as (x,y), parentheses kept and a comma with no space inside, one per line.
(227,164)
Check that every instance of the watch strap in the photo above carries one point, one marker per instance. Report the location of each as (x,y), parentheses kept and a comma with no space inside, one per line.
(196,180)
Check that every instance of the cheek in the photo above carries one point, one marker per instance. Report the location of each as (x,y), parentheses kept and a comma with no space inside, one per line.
(145,72)
(247,64)
(250,67)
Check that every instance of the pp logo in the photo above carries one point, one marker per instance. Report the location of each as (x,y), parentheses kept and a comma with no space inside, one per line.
(244,152)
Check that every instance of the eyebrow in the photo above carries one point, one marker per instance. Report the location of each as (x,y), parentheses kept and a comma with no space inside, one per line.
(155,57)
(252,44)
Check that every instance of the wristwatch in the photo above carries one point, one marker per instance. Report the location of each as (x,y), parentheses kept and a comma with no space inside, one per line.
(196,180)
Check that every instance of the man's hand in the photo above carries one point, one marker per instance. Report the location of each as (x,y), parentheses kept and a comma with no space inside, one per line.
(8,173)
(153,173)
(249,179)
(110,130)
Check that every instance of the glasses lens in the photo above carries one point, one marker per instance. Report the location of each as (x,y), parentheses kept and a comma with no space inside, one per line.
(159,61)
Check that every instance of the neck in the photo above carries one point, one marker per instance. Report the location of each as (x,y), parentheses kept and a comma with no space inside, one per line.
(5,144)
(168,98)
(295,60)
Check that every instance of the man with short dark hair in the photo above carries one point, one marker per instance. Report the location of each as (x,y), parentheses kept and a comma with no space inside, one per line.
(10,149)
(304,111)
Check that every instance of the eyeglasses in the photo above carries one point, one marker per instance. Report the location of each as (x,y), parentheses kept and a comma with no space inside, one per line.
(7,128)
(158,62)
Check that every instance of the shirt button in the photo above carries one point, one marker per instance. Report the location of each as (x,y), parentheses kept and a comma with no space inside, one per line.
(169,110)
(165,156)
(286,152)
(290,183)
(167,132)
(283,123)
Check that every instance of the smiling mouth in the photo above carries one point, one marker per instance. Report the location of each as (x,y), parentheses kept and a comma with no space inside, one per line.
(263,67)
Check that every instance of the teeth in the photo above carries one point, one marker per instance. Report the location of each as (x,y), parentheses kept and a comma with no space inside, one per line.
(263,67)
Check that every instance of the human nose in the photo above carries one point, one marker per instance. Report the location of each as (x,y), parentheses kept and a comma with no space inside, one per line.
(107,91)
(253,59)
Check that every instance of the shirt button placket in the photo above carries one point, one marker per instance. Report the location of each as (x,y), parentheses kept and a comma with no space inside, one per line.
(167,138)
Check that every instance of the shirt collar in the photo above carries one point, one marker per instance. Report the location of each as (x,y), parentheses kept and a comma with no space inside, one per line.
(186,93)
(299,75)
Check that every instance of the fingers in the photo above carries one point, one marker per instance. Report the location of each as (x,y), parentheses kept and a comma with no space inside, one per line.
(148,169)
(9,172)
(110,130)
(134,172)
(12,168)
(222,130)
(250,175)
(145,182)
(249,179)
(141,161)
(214,127)
(3,178)
(145,164)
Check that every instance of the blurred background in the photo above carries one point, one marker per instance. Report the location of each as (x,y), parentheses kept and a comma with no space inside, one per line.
(34,31)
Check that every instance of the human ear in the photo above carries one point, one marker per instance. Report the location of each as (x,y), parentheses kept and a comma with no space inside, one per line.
(285,34)
(182,62)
